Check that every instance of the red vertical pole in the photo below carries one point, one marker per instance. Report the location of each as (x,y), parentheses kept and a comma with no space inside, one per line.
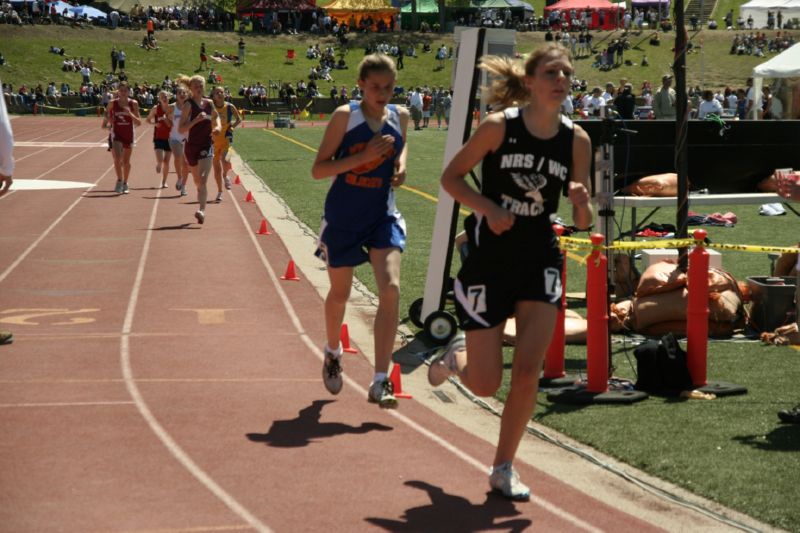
(697,311)
(597,317)
(554,359)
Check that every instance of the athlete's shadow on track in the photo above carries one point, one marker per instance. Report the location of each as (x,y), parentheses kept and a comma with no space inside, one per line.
(101,194)
(448,512)
(307,428)
(185,225)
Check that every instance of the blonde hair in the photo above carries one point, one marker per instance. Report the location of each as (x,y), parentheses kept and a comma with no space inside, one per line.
(376,63)
(508,88)
(186,81)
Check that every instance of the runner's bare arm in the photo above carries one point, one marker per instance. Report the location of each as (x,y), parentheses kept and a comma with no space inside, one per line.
(399,176)
(186,122)
(487,138)
(237,118)
(324,164)
(134,112)
(216,124)
(578,192)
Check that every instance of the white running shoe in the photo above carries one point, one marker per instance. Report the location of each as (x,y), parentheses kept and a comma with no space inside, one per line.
(444,364)
(227,183)
(183,190)
(219,197)
(125,188)
(382,393)
(332,372)
(200,216)
(505,480)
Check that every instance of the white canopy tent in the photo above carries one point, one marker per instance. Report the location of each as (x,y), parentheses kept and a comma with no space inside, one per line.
(784,65)
(758,10)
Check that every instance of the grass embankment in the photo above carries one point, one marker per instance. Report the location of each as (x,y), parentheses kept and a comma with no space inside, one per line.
(731,450)
(29,61)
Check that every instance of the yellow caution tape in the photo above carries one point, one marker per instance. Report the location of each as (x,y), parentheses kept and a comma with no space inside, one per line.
(571,243)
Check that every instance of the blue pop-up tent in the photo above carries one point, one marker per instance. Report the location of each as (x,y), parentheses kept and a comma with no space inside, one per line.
(88,11)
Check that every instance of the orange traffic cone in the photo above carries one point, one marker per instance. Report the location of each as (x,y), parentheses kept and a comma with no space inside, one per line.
(236,180)
(398,387)
(249,197)
(345,338)
(290,273)
(264,230)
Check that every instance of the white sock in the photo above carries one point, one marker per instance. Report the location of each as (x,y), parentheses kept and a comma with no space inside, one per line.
(337,353)
(379,377)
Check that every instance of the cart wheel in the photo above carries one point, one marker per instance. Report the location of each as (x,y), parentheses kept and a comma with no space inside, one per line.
(440,326)
(415,313)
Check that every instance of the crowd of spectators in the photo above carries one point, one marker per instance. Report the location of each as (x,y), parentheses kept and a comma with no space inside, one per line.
(623,101)
(757,43)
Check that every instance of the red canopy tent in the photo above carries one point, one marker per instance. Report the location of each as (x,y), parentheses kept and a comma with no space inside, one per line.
(612,14)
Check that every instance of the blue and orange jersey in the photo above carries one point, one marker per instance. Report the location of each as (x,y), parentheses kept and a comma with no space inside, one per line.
(362,196)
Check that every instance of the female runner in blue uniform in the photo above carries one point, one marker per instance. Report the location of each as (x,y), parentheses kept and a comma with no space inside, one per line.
(364,147)
(530,156)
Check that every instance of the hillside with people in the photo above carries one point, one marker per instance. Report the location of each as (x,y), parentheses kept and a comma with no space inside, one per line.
(46,61)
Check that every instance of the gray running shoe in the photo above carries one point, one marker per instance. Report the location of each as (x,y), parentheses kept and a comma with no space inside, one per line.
(200,216)
(443,364)
(219,197)
(125,188)
(332,372)
(178,185)
(382,393)
(227,183)
(505,480)
(118,188)
(183,190)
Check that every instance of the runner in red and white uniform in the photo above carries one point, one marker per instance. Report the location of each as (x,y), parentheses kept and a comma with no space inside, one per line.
(200,120)
(122,114)
(160,116)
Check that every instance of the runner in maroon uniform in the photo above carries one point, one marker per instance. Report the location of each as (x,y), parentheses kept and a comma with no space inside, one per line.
(122,114)
(160,116)
(200,120)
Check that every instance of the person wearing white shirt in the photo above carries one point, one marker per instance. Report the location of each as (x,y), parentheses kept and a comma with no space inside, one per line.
(6,150)
(596,101)
(415,106)
(709,105)
(567,107)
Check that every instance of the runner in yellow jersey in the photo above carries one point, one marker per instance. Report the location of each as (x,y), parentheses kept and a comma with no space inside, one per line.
(229,118)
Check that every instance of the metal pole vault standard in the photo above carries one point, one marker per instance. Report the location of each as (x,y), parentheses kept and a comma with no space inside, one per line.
(472,44)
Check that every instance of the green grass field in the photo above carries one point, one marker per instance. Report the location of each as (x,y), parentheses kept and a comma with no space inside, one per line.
(731,450)
(29,61)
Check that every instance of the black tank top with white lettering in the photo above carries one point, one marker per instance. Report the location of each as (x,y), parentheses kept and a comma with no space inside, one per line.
(525,175)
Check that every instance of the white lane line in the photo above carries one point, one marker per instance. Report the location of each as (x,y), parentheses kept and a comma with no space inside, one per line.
(60,144)
(130,383)
(37,152)
(46,232)
(62,404)
(50,228)
(464,456)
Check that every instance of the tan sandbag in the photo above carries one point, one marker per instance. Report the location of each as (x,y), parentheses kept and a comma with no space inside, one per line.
(626,276)
(769,184)
(619,315)
(658,185)
(656,308)
(786,265)
(719,281)
(663,276)
(678,327)
(574,329)
(724,306)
